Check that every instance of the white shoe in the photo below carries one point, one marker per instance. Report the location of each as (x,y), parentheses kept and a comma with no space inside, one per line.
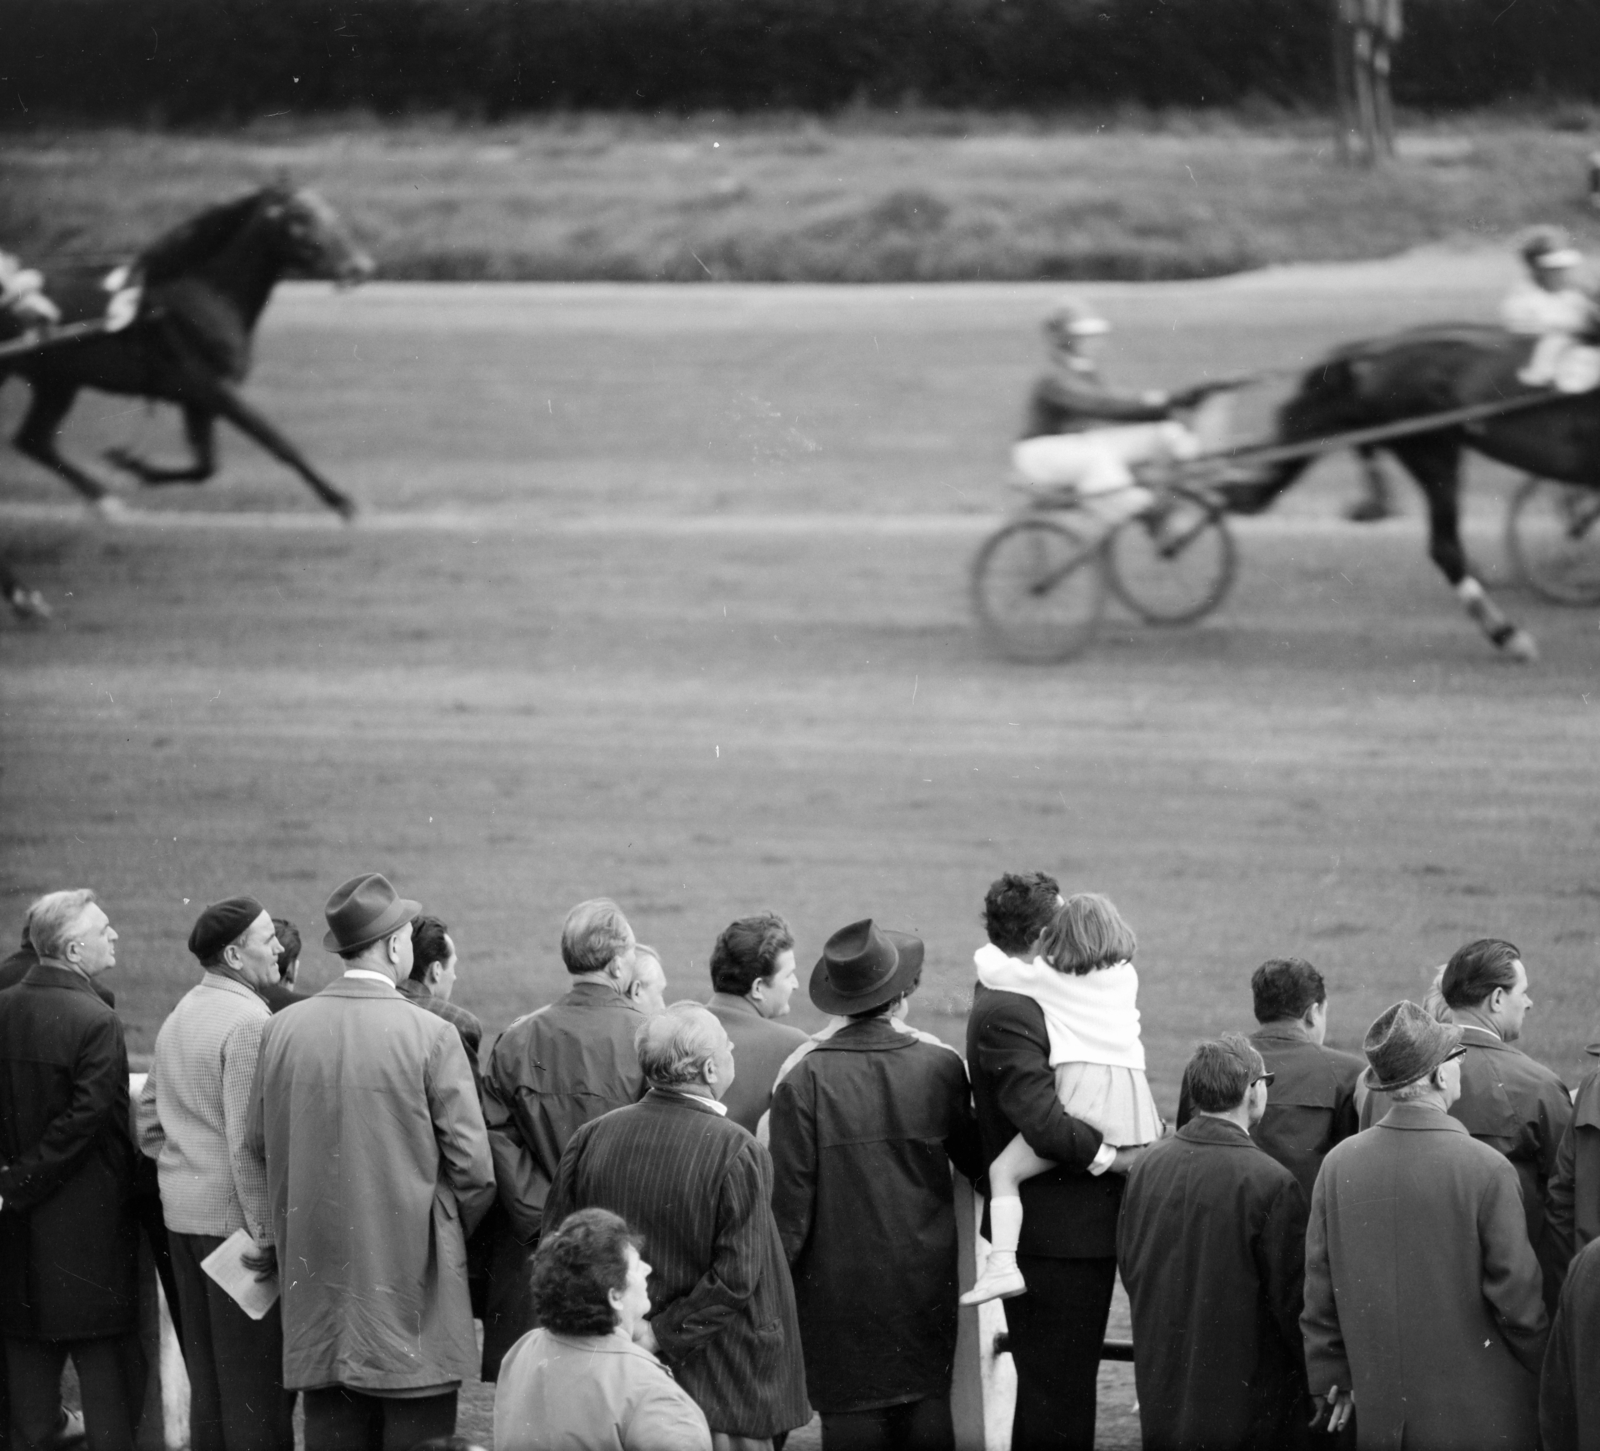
(996,1283)
(110,508)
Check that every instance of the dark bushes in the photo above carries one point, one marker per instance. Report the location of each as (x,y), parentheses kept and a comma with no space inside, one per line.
(190,61)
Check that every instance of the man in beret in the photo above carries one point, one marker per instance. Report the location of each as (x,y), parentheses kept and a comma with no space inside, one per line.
(193,1115)
(1423,1302)
(377,1169)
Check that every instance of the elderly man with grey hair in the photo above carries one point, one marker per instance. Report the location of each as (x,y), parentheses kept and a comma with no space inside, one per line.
(547,1075)
(68,1245)
(698,1187)
(1422,1300)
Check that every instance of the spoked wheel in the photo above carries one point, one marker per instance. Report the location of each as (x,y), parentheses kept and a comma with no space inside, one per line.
(1039,589)
(1176,561)
(1553,538)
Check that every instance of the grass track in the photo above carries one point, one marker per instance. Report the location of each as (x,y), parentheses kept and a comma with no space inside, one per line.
(702,720)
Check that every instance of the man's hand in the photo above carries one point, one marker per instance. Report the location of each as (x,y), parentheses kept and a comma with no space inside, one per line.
(1339,1407)
(263,1259)
(1126,1159)
(645,1337)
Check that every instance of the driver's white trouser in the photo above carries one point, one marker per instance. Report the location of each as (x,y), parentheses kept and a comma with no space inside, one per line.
(1098,463)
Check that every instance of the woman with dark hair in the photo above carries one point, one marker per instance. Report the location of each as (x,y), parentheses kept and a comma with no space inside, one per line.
(579,1382)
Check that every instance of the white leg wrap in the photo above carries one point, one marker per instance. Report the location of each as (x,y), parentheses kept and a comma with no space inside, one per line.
(1469,592)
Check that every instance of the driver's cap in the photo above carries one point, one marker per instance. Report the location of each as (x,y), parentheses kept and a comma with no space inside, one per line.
(1071,318)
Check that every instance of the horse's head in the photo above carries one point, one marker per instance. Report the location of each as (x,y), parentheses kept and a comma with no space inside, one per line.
(312,240)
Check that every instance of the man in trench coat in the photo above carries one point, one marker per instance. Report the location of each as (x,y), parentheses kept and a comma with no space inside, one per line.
(377,1168)
(1211,1245)
(68,1239)
(1423,1307)
(867,1118)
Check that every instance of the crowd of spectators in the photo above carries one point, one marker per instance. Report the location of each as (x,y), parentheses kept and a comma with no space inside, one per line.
(693,1226)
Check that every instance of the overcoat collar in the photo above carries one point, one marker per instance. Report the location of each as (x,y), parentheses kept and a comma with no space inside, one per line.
(1472,1036)
(1290,1032)
(358,987)
(865,1035)
(1205,1130)
(1421,1116)
(47,972)
(733,1003)
(693,1101)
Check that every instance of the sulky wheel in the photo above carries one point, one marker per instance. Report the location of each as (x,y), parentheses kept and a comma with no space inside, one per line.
(1176,561)
(1553,538)
(1039,589)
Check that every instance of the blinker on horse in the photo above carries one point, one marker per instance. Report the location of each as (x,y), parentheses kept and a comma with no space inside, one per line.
(1433,370)
(203,288)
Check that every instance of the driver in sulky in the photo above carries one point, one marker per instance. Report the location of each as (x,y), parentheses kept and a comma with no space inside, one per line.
(23,304)
(1083,434)
(1554,303)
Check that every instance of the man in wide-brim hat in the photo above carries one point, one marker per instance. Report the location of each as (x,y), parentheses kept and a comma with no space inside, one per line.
(1423,1298)
(866,1118)
(377,1167)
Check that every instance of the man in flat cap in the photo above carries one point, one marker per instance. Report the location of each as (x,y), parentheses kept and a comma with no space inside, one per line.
(1423,1309)
(377,1169)
(69,1249)
(193,1115)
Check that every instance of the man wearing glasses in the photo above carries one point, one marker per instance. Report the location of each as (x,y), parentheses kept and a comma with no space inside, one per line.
(1424,1315)
(1211,1246)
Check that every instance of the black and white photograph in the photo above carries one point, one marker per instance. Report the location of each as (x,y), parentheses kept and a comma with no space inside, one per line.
(778,725)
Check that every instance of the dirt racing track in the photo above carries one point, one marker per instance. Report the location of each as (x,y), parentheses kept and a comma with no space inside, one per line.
(661,594)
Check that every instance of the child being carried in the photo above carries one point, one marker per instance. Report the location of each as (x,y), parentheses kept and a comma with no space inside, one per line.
(1083,980)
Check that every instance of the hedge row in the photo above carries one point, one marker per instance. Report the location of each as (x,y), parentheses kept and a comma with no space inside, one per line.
(188,61)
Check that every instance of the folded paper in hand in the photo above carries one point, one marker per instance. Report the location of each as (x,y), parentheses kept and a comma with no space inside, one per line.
(225,1264)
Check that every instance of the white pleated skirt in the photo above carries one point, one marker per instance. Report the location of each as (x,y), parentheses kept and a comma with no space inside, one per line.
(1117,1101)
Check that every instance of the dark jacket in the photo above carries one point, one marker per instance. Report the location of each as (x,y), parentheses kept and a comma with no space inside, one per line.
(1077,400)
(1068,1213)
(760,1047)
(548,1074)
(698,1188)
(68,1249)
(1310,1107)
(466,1024)
(1569,1388)
(864,1129)
(1212,1251)
(279,996)
(1573,1206)
(1518,1106)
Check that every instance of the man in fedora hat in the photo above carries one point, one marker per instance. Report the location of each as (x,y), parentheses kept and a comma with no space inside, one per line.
(867,1117)
(193,1114)
(377,1167)
(698,1188)
(1423,1313)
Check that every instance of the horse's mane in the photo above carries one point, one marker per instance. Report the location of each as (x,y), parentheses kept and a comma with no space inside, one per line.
(192,243)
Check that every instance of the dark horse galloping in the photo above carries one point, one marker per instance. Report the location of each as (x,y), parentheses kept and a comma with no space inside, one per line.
(203,287)
(1433,370)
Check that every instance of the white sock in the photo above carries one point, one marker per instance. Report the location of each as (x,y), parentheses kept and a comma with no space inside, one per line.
(1005,1226)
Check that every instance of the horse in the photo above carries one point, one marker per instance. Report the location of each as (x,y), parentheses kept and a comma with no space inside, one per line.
(1433,370)
(200,288)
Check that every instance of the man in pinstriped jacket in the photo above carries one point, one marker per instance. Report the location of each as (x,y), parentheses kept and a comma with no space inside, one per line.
(698,1187)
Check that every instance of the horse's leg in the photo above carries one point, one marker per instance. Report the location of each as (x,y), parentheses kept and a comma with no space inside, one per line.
(1382,99)
(1436,465)
(199,427)
(37,439)
(1375,504)
(243,417)
(1366,106)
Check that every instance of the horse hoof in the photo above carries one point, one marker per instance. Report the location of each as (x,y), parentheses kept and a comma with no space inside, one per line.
(347,510)
(111,509)
(1521,646)
(28,605)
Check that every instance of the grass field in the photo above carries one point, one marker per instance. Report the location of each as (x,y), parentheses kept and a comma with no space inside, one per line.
(661,595)
(866,197)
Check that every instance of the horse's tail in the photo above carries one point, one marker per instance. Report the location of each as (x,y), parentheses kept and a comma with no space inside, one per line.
(1327,401)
